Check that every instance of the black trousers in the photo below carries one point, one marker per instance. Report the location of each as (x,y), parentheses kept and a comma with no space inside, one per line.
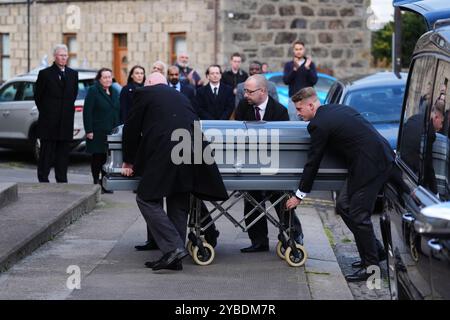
(168,230)
(258,232)
(356,210)
(97,162)
(53,154)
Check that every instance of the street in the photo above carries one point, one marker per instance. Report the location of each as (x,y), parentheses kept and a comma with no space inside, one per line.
(101,246)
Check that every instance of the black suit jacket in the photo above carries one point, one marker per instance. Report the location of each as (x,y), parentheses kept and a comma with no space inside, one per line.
(274,111)
(147,143)
(342,128)
(211,108)
(55,100)
(189,91)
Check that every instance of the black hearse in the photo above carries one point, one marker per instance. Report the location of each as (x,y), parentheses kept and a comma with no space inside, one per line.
(416,220)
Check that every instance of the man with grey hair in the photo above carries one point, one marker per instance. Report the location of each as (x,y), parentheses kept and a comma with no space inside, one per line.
(187,74)
(157,112)
(55,94)
(257,106)
(159,66)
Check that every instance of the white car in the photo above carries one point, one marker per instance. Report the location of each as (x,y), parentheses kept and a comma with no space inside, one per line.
(19,114)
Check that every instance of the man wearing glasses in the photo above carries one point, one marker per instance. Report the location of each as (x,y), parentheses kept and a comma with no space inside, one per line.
(257,105)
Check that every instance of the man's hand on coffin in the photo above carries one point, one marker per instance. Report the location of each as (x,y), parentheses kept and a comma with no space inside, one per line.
(292,202)
(127,169)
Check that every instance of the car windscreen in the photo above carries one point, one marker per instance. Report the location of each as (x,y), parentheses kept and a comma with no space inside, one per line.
(83,86)
(377,105)
(323,84)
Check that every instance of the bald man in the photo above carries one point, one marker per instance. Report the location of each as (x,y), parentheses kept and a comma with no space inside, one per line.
(147,152)
(257,105)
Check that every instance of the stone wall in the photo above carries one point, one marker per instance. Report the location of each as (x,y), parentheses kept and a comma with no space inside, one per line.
(146,22)
(334,31)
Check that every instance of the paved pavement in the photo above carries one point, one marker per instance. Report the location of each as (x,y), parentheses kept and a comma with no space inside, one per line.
(102,243)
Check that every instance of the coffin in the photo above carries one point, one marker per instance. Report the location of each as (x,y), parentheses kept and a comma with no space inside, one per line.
(250,156)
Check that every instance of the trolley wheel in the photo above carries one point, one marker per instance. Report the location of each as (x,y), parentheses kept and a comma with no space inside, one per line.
(294,261)
(281,250)
(203,260)
(189,246)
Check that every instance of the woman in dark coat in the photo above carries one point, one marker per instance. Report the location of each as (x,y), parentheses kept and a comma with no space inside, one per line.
(136,79)
(100,116)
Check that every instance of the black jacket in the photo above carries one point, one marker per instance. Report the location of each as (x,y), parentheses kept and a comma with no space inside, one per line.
(55,100)
(302,78)
(274,111)
(211,108)
(147,143)
(233,79)
(126,100)
(343,129)
(189,91)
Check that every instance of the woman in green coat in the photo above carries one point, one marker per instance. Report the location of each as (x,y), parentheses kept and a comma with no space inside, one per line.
(100,116)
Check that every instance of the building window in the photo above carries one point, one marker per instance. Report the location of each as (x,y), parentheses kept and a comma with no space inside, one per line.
(177,45)
(120,47)
(70,40)
(5,63)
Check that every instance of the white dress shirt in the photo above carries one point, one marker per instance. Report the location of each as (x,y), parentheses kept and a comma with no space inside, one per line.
(262,107)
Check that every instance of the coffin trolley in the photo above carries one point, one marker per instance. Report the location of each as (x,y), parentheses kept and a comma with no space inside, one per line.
(266,156)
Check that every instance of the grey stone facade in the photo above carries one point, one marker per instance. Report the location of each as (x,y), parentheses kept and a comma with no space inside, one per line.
(334,31)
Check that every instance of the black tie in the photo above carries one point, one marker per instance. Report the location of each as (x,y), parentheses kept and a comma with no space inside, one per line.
(257,114)
(174,86)
(62,76)
(215,92)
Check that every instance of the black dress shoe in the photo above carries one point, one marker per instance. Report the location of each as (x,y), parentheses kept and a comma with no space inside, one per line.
(357,264)
(256,248)
(211,236)
(381,257)
(176,265)
(360,275)
(148,246)
(169,259)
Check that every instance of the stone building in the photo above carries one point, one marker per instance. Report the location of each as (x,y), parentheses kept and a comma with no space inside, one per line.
(119,34)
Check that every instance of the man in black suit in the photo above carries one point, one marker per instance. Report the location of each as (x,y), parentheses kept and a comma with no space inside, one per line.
(55,94)
(173,75)
(147,150)
(370,162)
(215,101)
(258,105)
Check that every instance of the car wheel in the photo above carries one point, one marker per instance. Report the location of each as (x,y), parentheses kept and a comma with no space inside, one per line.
(36,148)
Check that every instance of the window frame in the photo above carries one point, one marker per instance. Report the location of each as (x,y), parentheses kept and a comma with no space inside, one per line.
(3,56)
(172,37)
(416,178)
(66,37)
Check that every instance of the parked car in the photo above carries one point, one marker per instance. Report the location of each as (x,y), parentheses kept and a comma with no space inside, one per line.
(378,97)
(416,221)
(324,83)
(19,114)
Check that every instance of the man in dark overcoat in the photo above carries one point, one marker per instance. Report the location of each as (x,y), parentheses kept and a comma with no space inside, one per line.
(55,94)
(148,152)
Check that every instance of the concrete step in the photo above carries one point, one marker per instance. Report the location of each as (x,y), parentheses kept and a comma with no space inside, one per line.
(40,212)
(8,193)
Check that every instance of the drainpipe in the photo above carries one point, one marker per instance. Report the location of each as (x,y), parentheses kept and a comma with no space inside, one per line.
(28,35)
(216,28)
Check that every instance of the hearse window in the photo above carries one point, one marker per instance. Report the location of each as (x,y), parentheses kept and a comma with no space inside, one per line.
(436,175)
(420,89)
